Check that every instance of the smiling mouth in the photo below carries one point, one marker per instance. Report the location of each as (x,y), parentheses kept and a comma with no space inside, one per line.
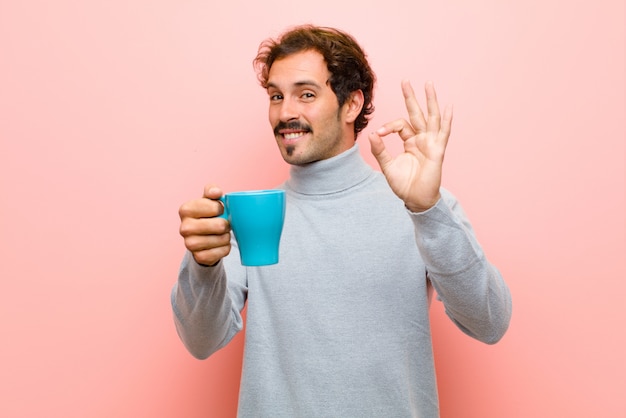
(292,136)
(291,131)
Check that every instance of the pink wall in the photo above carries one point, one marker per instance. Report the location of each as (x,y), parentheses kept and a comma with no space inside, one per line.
(112,113)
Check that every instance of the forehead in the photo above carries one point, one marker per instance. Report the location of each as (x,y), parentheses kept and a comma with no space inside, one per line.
(306,67)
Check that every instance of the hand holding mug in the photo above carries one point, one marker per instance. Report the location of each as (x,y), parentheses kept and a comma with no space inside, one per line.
(206,234)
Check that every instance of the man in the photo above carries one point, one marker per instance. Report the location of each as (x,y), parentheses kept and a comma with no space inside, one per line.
(340,327)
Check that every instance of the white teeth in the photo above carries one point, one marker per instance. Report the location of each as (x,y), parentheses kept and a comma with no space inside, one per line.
(293,135)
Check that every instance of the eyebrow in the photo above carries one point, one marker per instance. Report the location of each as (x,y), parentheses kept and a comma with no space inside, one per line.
(302,83)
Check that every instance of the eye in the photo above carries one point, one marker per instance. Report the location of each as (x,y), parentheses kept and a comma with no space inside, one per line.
(308,96)
(275,97)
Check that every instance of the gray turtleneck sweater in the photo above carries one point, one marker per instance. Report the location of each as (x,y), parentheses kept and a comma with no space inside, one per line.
(340,326)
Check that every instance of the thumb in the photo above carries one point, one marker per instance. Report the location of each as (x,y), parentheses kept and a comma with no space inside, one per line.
(211,191)
(379,151)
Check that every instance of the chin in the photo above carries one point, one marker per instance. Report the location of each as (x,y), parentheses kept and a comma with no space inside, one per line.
(295,158)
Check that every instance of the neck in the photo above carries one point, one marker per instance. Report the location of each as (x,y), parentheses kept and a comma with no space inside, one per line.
(331,175)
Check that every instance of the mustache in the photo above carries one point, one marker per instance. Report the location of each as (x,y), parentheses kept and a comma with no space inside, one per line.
(291,125)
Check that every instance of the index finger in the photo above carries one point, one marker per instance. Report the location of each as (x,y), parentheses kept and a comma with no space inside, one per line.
(399,126)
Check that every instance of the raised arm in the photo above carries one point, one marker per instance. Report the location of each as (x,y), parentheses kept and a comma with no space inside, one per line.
(474,294)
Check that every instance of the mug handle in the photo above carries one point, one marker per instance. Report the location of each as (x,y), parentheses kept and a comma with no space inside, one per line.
(225,214)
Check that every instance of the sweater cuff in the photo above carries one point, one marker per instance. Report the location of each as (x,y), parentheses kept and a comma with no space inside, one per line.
(445,238)
(201,272)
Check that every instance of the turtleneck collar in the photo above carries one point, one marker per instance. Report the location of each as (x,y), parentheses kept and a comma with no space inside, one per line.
(330,176)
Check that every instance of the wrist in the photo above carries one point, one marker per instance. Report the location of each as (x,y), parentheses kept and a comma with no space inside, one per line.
(419,208)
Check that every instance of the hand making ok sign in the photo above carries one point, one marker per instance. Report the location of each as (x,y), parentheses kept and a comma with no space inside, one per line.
(415,174)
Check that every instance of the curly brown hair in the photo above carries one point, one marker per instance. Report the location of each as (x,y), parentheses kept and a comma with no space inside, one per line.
(346,61)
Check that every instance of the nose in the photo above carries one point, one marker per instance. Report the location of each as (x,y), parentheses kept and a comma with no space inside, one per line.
(288,110)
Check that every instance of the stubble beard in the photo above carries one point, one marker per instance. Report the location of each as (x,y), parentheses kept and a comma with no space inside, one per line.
(318,153)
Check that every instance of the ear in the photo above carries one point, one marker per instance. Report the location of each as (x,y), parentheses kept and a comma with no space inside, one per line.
(353,106)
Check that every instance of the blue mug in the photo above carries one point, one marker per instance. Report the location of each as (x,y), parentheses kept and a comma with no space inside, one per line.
(256,218)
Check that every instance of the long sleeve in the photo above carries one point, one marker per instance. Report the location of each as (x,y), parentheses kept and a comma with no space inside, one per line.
(473,291)
(206,312)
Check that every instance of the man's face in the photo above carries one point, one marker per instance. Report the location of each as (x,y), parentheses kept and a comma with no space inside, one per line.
(304,113)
